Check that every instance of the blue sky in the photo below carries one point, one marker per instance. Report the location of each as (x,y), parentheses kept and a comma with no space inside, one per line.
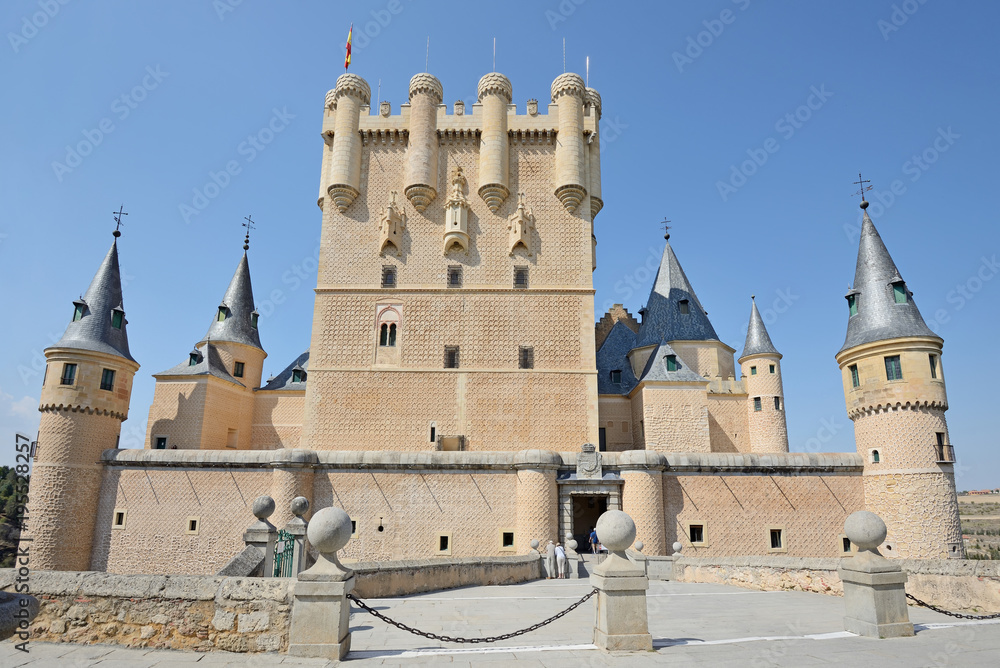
(745,123)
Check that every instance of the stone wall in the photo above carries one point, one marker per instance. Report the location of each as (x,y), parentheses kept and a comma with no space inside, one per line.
(401,578)
(160,611)
(952,584)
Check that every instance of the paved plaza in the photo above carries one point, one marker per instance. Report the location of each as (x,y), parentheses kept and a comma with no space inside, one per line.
(701,624)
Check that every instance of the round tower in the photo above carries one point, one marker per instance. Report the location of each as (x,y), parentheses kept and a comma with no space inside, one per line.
(568,91)
(594,144)
(352,93)
(760,364)
(495,92)
(426,94)
(642,496)
(84,400)
(537,497)
(895,394)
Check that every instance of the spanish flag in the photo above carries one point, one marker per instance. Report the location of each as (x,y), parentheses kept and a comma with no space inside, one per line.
(350,34)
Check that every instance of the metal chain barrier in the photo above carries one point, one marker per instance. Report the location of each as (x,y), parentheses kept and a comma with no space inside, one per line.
(959,615)
(474,641)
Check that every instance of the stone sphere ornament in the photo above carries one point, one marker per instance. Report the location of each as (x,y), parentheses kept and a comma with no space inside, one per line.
(616,530)
(330,531)
(677,548)
(300,506)
(534,543)
(572,544)
(865,529)
(263,507)
(639,545)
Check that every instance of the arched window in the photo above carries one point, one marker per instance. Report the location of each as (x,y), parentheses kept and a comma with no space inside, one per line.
(392,334)
(383,337)
(388,327)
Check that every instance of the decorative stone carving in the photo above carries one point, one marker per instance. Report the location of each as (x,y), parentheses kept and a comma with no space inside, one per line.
(342,195)
(456,224)
(532,107)
(459,108)
(519,226)
(391,228)
(588,463)
(571,195)
(384,108)
(494,194)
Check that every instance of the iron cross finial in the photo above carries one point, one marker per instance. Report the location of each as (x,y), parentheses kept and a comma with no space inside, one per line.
(118,220)
(666,228)
(250,225)
(861,182)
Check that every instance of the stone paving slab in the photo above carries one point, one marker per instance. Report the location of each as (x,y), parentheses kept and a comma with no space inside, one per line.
(703,624)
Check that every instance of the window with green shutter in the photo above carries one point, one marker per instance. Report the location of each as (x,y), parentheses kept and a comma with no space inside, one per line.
(116,319)
(753,371)
(77,312)
(855,379)
(899,292)
(756,403)
(893,370)
(933,360)
(852,304)
(671,362)
(108,379)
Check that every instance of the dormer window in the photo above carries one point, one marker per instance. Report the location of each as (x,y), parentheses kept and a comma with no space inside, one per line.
(899,292)
(194,359)
(117,316)
(254,316)
(298,375)
(685,306)
(223,314)
(238,368)
(671,362)
(78,309)
(852,304)
(616,376)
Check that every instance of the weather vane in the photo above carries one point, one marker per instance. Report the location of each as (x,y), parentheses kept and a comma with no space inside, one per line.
(118,220)
(861,182)
(250,225)
(666,228)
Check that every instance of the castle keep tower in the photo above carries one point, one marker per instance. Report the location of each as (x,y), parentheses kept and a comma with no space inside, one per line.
(760,364)
(85,398)
(895,394)
(454,299)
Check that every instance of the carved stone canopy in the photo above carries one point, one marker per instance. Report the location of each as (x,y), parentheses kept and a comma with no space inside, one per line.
(519,226)
(391,227)
(456,224)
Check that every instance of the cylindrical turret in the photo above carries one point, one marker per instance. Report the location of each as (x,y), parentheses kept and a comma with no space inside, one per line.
(766,422)
(537,497)
(352,93)
(426,94)
(292,475)
(594,150)
(329,106)
(568,92)
(642,496)
(495,92)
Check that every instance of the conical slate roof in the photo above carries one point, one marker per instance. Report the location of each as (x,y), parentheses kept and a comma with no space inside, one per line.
(613,356)
(758,342)
(283,381)
(95,330)
(879,317)
(209,364)
(237,327)
(662,319)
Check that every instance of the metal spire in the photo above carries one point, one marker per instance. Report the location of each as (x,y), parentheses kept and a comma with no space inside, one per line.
(250,225)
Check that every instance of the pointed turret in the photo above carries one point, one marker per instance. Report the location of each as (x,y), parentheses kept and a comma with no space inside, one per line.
(880,304)
(236,319)
(758,341)
(673,312)
(99,321)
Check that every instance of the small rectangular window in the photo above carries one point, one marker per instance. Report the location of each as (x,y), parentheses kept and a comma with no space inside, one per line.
(777,403)
(433,432)
(254,319)
(845,544)
(506,539)
(696,533)
(933,361)
(108,379)
(388,276)
(855,379)
(520,278)
(193,359)
(756,403)
(238,369)
(671,362)
(354,527)
(616,376)
(116,319)
(78,312)
(192,525)
(771,368)
(753,371)
(222,313)
(119,521)
(526,357)
(776,541)
(161,443)
(899,292)
(685,306)
(68,374)
(893,371)
(451,357)
(852,304)
(444,543)
(454,276)
(298,376)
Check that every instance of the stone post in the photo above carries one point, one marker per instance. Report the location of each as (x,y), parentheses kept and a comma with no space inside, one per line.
(620,622)
(874,591)
(320,625)
(262,534)
(297,527)
(638,558)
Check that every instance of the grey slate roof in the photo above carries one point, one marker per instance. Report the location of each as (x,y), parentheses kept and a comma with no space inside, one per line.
(662,319)
(613,356)
(656,367)
(239,300)
(758,342)
(283,381)
(879,317)
(94,331)
(211,364)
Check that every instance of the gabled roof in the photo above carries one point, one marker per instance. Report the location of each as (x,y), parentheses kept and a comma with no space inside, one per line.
(758,342)
(210,364)
(94,330)
(613,356)
(879,317)
(283,381)
(656,367)
(662,319)
(238,300)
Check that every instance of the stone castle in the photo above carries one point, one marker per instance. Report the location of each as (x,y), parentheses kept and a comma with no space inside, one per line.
(457,397)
